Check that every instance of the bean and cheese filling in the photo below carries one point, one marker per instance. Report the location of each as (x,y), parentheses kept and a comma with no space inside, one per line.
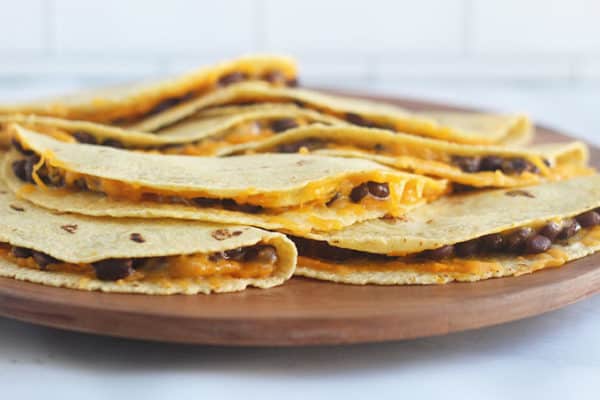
(374,190)
(244,132)
(250,262)
(274,77)
(463,257)
(469,164)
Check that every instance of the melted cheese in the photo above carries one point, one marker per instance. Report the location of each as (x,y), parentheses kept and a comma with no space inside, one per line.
(403,191)
(187,267)
(554,257)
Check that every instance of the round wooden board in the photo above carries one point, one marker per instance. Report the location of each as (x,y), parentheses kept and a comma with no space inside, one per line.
(304,311)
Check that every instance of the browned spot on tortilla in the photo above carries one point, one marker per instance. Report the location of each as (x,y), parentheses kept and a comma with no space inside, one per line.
(137,237)
(302,162)
(17,208)
(3,192)
(236,233)
(429,221)
(518,192)
(222,234)
(71,228)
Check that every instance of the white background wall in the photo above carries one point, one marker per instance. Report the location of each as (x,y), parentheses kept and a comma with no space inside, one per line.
(337,41)
(539,56)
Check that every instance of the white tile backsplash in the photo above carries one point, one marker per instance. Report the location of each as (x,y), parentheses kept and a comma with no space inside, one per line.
(535,26)
(23,25)
(374,27)
(477,68)
(153,26)
(337,42)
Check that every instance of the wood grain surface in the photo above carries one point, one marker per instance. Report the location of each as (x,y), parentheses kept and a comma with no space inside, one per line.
(303,311)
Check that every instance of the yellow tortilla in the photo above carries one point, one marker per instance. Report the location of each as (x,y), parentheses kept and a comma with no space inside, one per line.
(81,240)
(293,189)
(205,136)
(457,219)
(472,128)
(431,157)
(127,102)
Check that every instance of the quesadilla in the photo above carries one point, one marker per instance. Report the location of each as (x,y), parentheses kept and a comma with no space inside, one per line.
(137,255)
(125,104)
(466,237)
(289,192)
(209,135)
(468,165)
(472,128)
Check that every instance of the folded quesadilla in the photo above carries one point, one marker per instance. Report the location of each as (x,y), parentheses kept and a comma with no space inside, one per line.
(208,135)
(470,165)
(126,104)
(465,237)
(473,128)
(290,192)
(137,255)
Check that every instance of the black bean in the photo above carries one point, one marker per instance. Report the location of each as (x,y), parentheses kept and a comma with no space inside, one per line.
(288,148)
(537,244)
(514,165)
(333,199)
(293,82)
(310,144)
(379,190)
(43,260)
(490,163)
(275,77)
(439,253)
(230,204)
(468,248)
(19,147)
(551,230)
(164,105)
(546,162)
(113,269)
(138,263)
(21,252)
(206,202)
(215,257)
(267,255)
(30,163)
(264,254)
(117,144)
(84,137)
(570,229)
(515,242)
(231,78)
(492,242)
(18,168)
(466,164)
(283,124)
(460,188)
(588,219)
(80,184)
(359,192)
(235,254)
(356,119)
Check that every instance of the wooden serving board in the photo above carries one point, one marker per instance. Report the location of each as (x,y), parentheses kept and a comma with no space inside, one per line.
(303,311)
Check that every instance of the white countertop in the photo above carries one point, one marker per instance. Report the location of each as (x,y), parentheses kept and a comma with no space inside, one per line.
(554,356)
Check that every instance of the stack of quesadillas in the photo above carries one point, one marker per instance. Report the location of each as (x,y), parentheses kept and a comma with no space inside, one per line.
(231,176)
